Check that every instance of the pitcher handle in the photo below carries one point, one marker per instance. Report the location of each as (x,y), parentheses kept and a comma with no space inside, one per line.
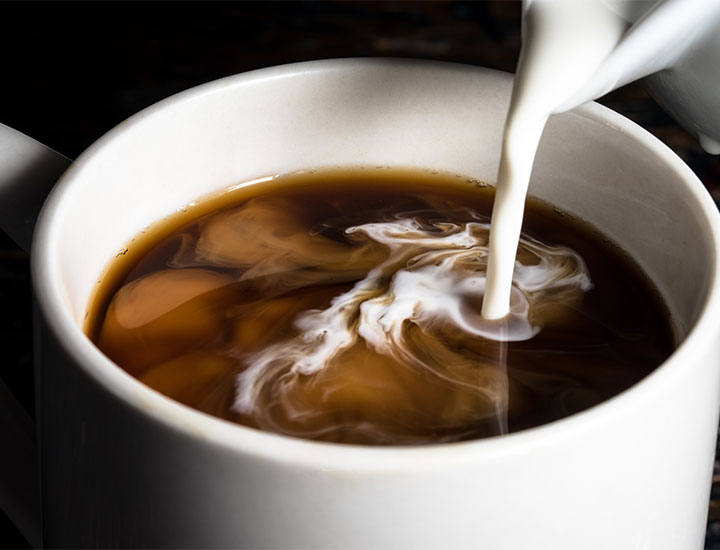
(28,171)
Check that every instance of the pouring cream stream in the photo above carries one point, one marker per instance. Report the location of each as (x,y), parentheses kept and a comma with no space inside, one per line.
(564,41)
(571,49)
(575,51)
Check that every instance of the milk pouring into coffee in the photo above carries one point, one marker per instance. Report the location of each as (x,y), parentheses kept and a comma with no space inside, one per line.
(563,44)
(368,324)
(430,276)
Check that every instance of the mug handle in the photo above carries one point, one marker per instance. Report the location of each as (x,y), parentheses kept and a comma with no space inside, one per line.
(28,171)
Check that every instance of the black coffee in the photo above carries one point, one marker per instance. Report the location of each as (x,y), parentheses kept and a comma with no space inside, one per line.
(344,306)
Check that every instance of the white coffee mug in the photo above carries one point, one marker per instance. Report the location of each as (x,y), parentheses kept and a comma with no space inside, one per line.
(123,466)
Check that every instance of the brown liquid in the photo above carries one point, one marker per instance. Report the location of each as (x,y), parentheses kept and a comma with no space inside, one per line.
(196,303)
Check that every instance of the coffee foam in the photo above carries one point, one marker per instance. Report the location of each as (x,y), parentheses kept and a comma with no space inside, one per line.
(412,306)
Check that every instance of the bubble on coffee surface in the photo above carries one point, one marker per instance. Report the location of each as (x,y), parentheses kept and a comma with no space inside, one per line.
(359,320)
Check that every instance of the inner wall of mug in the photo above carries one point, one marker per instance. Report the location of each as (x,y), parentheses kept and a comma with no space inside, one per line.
(362,113)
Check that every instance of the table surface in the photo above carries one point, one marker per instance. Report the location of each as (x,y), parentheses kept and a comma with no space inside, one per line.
(71,71)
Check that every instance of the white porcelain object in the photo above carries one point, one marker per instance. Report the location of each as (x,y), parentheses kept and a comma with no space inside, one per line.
(125,466)
(675,44)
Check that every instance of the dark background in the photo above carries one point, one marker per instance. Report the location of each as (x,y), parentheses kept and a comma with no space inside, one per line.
(71,71)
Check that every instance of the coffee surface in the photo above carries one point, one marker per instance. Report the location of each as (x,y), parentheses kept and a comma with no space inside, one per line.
(344,306)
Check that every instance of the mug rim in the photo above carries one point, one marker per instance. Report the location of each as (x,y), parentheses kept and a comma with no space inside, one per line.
(340,456)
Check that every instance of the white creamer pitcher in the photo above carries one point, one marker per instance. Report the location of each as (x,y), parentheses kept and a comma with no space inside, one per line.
(674,44)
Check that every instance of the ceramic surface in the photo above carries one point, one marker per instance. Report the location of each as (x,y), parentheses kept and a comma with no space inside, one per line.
(142,470)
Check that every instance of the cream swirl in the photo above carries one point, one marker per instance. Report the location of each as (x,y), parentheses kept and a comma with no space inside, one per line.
(433,279)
